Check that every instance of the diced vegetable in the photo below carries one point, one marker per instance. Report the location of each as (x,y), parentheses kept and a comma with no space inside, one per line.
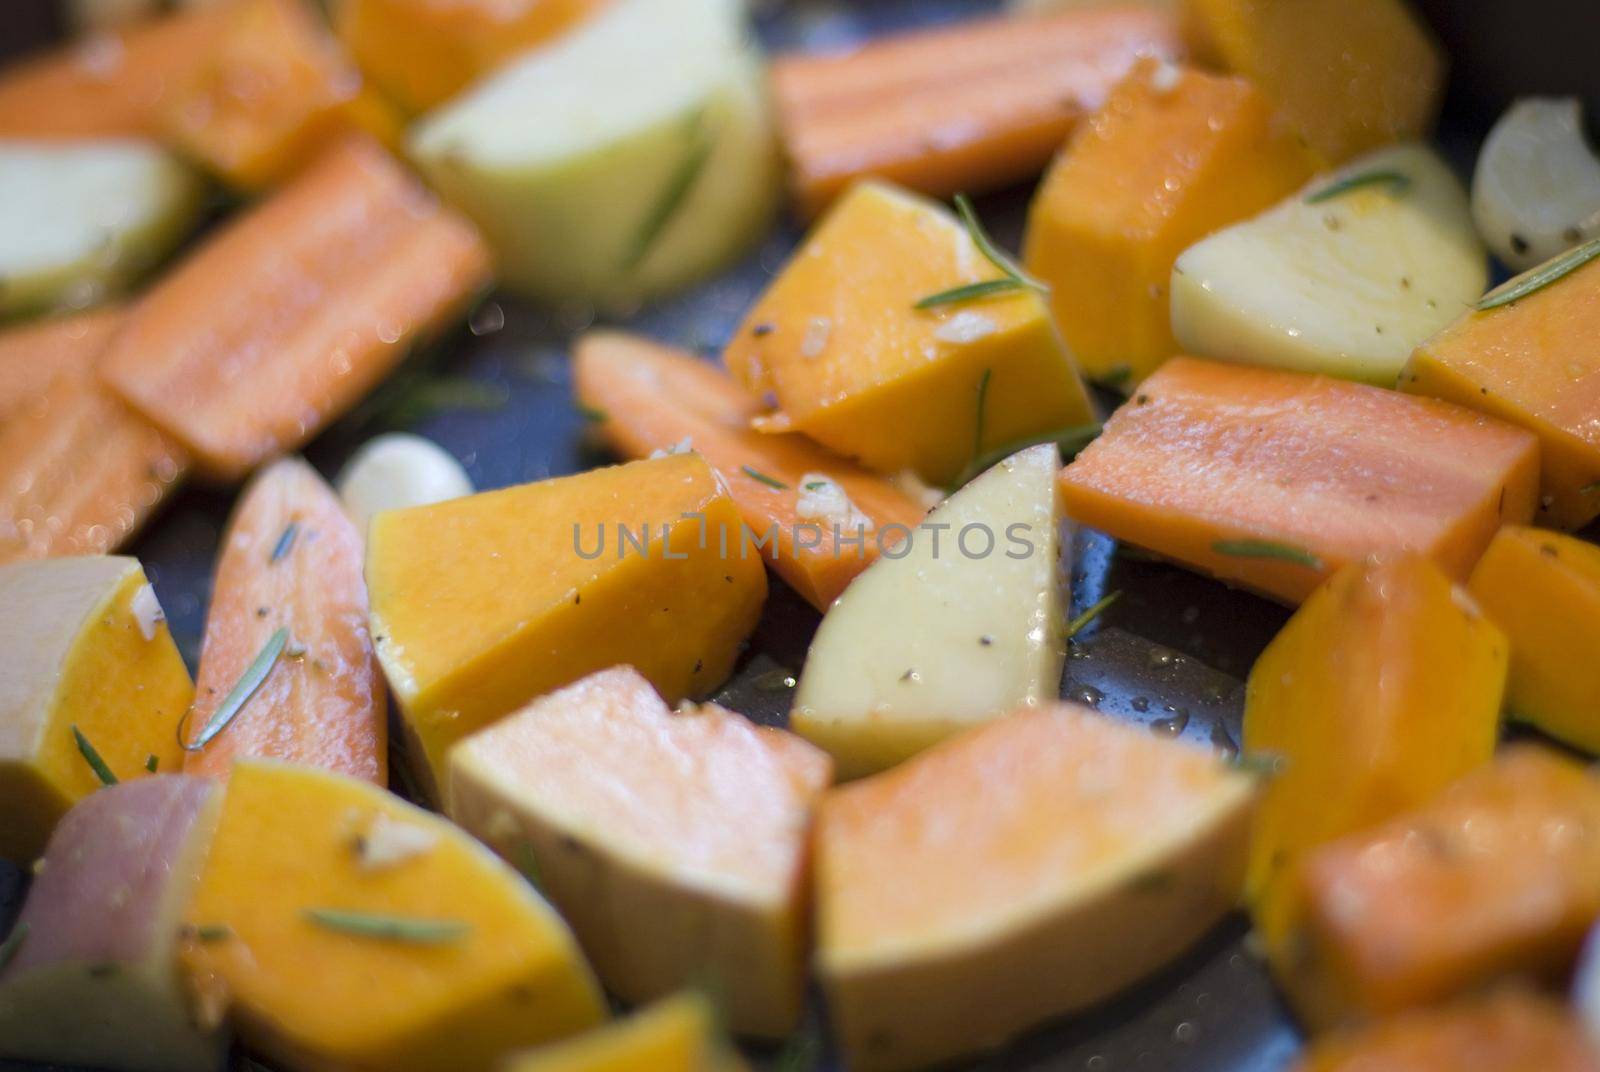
(975,105)
(1350,74)
(667,172)
(960,624)
(855,364)
(291,560)
(1383,689)
(346,267)
(83,645)
(36,354)
(1099,853)
(1172,156)
(80,220)
(1497,878)
(1272,480)
(273,90)
(645,398)
(1501,1032)
(676,1034)
(94,979)
(674,843)
(1531,362)
(1543,589)
(339,954)
(397,470)
(482,603)
(1345,277)
(422,52)
(1536,188)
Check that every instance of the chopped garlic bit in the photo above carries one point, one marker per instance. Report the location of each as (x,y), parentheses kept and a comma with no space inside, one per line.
(965,326)
(682,446)
(388,842)
(818,328)
(822,500)
(915,488)
(1165,76)
(147,611)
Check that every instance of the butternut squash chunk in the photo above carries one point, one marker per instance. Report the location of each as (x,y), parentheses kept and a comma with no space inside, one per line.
(856,366)
(293,310)
(972,106)
(291,560)
(345,928)
(1173,155)
(646,398)
(34,355)
(676,1034)
(481,603)
(1498,877)
(1543,589)
(83,643)
(1381,690)
(1351,75)
(1099,853)
(1530,362)
(94,980)
(1272,480)
(674,843)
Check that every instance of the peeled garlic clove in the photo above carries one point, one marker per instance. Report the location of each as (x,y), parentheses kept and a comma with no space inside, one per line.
(1536,190)
(398,470)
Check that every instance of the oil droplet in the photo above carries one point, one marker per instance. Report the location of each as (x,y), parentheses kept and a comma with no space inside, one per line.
(1171,727)
(1223,742)
(487,319)
(1183,1033)
(1087,695)
(1140,704)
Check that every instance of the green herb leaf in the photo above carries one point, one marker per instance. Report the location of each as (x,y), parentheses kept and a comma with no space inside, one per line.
(986,246)
(388,928)
(1090,613)
(1260,764)
(1533,279)
(592,414)
(969,292)
(240,694)
(528,864)
(91,757)
(151,763)
(13,943)
(677,188)
(1395,180)
(816,485)
(285,542)
(1288,552)
(209,932)
(756,474)
(1069,440)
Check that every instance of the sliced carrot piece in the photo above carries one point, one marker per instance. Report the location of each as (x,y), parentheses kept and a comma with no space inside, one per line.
(109,84)
(35,355)
(1272,480)
(79,472)
(295,309)
(646,397)
(291,560)
(274,88)
(972,106)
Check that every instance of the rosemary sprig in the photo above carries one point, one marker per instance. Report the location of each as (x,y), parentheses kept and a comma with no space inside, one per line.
(1090,613)
(388,928)
(92,757)
(240,694)
(771,482)
(152,763)
(1533,279)
(679,183)
(1288,552)
(285,542)
(10,947)
(969,292)
(1013,277)
(1395,180)
(1070,440)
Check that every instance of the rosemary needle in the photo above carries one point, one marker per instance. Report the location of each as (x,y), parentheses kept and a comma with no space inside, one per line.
(1288,552)
(1395,180)
(285,542)
(1093,611)
(771,482)
(1539,278)
(242,690)
(92,757)
(388,928)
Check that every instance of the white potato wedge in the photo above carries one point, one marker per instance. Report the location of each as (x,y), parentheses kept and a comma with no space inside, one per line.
(80,220)
(674,843)
(1536,189)
(1345,278)
(1027,868)
(628,159)
(94,978)
(397,470)
(959,624)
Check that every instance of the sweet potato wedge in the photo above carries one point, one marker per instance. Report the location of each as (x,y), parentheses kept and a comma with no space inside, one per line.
(645,397)
(972,106)
(35,355)
(292,560)
(294,309)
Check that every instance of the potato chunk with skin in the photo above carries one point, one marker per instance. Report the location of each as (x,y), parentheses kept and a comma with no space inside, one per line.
(489,966)
(82,642)
(675,843)
(1498,877)
(94,980)
(855,366)
(677,1034)
(1543,589)
(1382,689)
(1099,852)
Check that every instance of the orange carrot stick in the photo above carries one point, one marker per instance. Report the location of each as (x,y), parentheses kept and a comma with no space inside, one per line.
(972,106)
(34,355)
(646,397)
(294,310)
(291,560)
